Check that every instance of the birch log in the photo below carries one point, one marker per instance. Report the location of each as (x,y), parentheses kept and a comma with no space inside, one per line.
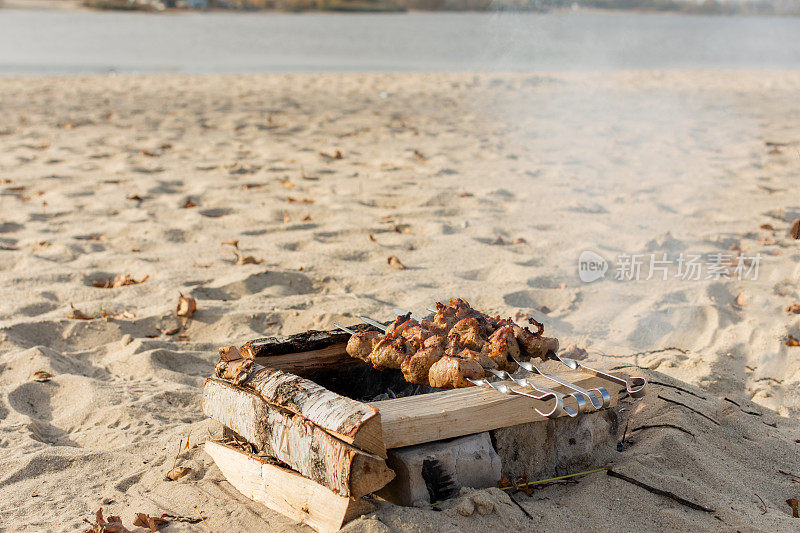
(295,440)
(285,491)
(349,420)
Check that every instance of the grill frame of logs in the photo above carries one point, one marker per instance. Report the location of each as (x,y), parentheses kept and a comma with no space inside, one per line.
(314,454)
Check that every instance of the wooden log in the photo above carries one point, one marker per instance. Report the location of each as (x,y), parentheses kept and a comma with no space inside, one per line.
(351,421)
(285,491)
(294,440)
(454,413)
(304,353)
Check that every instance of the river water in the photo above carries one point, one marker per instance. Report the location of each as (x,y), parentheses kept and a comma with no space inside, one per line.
(81,42)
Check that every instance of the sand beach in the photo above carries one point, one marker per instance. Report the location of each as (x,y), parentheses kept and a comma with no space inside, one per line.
(484,186)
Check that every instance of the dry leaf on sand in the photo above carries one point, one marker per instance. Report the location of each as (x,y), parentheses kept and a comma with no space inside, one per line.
(242,259)
(178,472)
(794,309)
(793,503)
(118,281)
(792,341)
(77,314)
(247,260)
(100,525)
(41,376)
(151,522)
(293,200)
(394,262)
(795,230)
(337,154)
(740,301)
(186,306)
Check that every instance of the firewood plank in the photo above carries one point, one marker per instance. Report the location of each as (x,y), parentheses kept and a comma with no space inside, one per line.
(295,440)
(286,491)
(454,413)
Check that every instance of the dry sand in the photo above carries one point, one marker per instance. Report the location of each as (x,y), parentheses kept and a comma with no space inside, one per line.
(95,172)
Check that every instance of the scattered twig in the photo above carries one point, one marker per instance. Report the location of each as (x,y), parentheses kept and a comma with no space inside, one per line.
(763,505)
(692,409)
(521,508)
(673,426)
(785,473)
(621,442)
(176,473)
(660,492)
(542,481)
(202,519)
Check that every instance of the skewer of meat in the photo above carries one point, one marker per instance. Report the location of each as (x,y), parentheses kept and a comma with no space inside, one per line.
(450,347)
(438,362)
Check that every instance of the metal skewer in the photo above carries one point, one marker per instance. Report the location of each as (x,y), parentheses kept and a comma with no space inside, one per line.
(635,387)
(524,382)
(602,403)
(373,323)
(604,399)
(579,395)
(346,330)
(558,409)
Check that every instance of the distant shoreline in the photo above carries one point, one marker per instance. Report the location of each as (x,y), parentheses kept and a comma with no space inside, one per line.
(711,7)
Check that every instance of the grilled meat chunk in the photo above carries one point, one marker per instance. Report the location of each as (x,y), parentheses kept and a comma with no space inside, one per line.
(481,359)
(435,340)
(533,346)
(389,353)
(501,347)
(361,344)
(416,367)
(470,333)
(445,317)
(396,328)
(452,372)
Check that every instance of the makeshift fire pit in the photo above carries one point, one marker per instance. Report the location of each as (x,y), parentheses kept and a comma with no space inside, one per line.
(316,434)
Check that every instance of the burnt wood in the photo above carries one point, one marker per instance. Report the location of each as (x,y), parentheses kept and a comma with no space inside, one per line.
(308,341)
